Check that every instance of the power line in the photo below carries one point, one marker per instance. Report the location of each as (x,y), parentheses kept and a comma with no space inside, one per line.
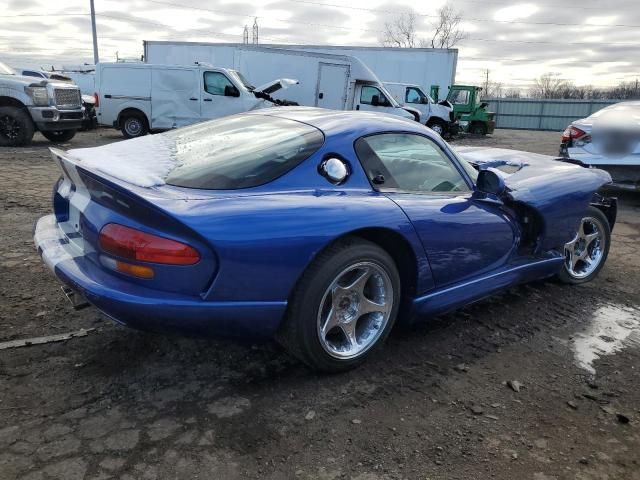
(427,15)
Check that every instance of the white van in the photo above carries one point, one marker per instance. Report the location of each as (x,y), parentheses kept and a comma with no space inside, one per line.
(338,82)
(139,97)
(437,116)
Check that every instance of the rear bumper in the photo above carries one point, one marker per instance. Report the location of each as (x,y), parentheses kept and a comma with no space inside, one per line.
(624,171)
(148,309)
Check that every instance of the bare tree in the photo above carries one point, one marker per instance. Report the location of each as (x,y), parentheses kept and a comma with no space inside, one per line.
(549,85)
(402,31)
(446,29)
(513,93)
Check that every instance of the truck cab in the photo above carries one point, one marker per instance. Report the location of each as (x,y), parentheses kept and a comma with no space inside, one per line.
(374,97)
(30,104)
(437,116)
(470,111)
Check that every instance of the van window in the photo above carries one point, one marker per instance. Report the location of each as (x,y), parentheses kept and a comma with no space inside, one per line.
(215,82)
(240,151)
(367,93)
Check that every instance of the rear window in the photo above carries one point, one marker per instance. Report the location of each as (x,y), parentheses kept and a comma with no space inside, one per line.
(241,151)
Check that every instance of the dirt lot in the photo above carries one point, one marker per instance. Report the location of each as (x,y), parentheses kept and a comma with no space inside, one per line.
(433,404)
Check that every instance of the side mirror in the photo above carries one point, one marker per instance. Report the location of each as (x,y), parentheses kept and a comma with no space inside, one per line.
(484,105)
(490,182)
(375,100)
(231,91)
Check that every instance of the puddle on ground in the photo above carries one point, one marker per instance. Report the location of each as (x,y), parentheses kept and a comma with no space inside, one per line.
(612,328)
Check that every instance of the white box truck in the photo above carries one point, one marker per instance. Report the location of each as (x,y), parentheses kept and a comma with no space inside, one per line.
(339,82)
(139,97)
(427,67)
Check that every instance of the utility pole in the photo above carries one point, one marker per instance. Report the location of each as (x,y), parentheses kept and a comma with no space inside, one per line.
(486,82)
(96,58)
(245,35)
(254,36)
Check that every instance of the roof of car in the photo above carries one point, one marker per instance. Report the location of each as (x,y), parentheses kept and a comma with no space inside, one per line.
(340,121)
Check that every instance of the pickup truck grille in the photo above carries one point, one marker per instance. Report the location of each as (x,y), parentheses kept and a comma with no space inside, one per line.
(68,98)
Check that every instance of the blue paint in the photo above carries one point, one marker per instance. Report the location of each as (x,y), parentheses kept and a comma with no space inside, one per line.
(255,243)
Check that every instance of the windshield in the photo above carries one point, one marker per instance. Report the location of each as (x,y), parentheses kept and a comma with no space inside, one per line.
(6,70)
(241,151)
(390,97)
(242,80)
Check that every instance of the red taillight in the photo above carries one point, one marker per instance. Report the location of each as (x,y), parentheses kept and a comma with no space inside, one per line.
(572,133)
(96,99)
(126,242)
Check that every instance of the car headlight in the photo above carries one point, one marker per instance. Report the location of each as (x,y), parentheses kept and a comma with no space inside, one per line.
(39,95)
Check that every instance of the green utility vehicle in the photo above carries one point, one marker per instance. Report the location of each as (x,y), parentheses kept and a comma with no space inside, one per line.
(471,113)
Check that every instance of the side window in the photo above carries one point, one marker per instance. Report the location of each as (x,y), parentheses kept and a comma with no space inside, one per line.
(408,162)
(413,96)
(461,97)
(367,94)
(214,83)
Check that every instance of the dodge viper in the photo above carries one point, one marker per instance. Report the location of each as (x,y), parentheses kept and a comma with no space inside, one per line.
(317,227)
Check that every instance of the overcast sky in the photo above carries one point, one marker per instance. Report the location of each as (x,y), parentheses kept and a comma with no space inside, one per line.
(517,42)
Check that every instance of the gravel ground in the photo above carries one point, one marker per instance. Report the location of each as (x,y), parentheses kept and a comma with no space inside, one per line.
(438,402)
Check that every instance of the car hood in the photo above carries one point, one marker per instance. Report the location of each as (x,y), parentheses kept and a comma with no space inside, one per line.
(275,85)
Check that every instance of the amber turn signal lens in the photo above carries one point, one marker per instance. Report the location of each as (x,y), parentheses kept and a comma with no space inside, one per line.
(140,271)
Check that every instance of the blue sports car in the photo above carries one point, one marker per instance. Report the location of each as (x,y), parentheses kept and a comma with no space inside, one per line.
(318,227)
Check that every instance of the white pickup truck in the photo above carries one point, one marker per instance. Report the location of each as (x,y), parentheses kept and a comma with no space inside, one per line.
(139,97)
(29,104)
(437,116)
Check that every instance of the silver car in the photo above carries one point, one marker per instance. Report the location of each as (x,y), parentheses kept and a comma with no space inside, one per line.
(609,139)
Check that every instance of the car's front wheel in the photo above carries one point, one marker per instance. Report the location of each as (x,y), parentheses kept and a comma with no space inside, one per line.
(343,307)
(586,254)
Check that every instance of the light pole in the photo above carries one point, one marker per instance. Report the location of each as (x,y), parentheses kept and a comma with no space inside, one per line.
(96,58)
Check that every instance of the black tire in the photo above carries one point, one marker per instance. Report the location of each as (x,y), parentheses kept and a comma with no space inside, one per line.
(59,136)
(478,129)
(437,126)
(133,125)
(16,127)
(300,334)
(597,218)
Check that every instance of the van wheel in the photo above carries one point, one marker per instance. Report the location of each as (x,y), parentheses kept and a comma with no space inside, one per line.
(16,127)
(58,136)
(133,125)
(436,125)
(343,307)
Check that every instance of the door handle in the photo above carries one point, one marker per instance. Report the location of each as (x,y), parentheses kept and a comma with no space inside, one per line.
(321,95)
(358,107)
(207,100)
(193,98)
(107,95)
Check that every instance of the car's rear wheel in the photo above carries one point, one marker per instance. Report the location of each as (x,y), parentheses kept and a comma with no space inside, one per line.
(586,254)
(16,127)
(343,307)
(59,135)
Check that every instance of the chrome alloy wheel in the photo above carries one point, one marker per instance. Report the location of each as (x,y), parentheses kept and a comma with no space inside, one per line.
(584,253)
(355,310)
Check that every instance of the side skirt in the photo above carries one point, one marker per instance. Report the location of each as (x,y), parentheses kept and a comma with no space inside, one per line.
(455,296)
